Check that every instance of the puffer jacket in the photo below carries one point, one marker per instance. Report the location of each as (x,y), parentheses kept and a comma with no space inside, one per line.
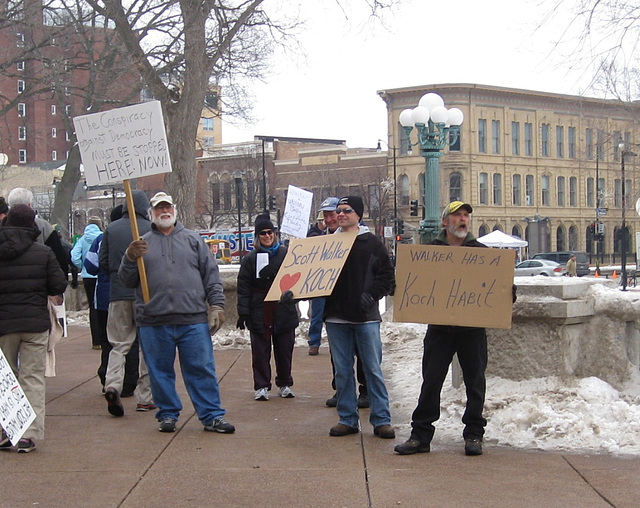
(29,273)
(82,246)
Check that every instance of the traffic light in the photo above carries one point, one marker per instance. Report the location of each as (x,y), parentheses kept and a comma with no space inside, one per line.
(400,227)
(414,208)
(272,202)
(398,238)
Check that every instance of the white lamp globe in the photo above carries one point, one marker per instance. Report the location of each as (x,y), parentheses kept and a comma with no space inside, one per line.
(430,101)
(455,116)
(406,118)
(420,115)
(439,114)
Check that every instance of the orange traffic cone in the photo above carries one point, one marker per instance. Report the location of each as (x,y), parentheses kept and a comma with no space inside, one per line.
(615,275)
(597,274)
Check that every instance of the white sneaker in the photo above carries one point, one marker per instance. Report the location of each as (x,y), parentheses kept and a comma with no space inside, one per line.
(285,392)
(262,394)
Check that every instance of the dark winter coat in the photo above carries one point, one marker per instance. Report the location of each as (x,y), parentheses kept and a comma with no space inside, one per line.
(253,290)
(29,274)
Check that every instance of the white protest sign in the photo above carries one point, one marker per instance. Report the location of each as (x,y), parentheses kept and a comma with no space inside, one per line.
(123,143)
(16,414)
(295,221)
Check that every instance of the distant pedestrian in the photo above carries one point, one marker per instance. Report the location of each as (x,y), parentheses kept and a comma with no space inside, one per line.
(572,266)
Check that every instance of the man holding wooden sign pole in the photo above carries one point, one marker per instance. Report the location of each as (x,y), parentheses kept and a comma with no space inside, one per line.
(457,306)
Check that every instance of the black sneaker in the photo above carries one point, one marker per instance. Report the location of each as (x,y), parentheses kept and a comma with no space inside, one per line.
(114,406)
(363,401)
(472,447)
(5,442)
(412,446)
(220,425)
(332,402)
(26,445)
(167,425)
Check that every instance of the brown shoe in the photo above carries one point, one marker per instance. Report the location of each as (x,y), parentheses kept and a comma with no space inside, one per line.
(342,430)
(384,431)
(314,350)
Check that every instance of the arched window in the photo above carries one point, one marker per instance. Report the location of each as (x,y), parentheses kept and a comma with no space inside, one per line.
(483,230)
(561,238)
(497,189)
(403,184)
(497,227)
(484,188)
(573,238)
(516,231)
(455,187)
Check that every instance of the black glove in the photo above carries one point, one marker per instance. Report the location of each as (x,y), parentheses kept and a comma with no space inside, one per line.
(513,293)
(366,302)
(287,297)
(268,272)
(243,321)
(74,284)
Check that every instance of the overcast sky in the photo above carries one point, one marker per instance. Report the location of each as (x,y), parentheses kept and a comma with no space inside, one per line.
(332,91)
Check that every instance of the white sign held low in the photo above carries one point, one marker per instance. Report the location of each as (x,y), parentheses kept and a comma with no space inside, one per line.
(16,414)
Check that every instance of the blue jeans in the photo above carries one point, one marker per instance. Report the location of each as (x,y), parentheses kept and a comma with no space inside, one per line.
(193,342)
(343,340)
(315,326)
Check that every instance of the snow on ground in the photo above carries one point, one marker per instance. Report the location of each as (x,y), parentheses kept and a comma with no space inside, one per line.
(586,415)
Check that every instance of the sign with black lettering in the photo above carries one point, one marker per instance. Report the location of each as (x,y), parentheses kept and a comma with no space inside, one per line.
(312,266)
(460,286)
(123,143)
(16,414)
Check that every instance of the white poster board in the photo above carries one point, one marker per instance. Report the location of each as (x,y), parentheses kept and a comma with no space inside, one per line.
(123,143)
(297,210)
(16,414)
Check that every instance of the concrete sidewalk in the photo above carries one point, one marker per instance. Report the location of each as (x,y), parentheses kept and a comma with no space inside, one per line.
(280,456)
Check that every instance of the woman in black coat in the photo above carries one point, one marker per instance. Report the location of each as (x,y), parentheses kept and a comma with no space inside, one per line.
(267,321)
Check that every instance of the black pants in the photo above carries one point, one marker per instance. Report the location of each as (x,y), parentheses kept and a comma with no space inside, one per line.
(283,343)
(98,334)
(440,344)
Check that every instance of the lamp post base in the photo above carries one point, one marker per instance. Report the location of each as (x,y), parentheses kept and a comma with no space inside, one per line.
(428,231)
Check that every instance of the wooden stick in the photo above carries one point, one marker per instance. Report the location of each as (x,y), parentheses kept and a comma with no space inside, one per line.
(135,233)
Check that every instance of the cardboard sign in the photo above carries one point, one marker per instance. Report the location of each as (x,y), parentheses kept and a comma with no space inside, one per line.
(295,221)
(16,414)
(123,143)
(460,286)
(312,266)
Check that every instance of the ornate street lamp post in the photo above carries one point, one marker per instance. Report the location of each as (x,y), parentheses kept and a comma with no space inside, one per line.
(237,176)
(623,231)
(395,191)
(436,128)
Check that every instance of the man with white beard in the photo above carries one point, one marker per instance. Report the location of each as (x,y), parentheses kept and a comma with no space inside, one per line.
(183,277)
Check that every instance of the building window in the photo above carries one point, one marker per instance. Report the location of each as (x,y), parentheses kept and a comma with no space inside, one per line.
(529,190)
(528,139)
(559,141)
(454,146)
(207,141)
(599,192)
(617,139)
(20,85)
(22,132)
(515,138)
(227,192)
(590,193)
(627,193)
(20,65)
(617,193)
(19,39)
(54,155)
(404,189)
(22,156)
(560,190)
(67,136)
(22,109)
(455,187)
(497,189)
(53,109)
(482,135)
(573,191)
(572,142)
(560,238)
(600,146)
(54,132)
(589,143)
(495,136)
(67,110)
(207,124)
(215,196)
(517,190)
(544,140)
(484,188)
(545,191)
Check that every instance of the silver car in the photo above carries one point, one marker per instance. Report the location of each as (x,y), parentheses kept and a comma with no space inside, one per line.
(539,267)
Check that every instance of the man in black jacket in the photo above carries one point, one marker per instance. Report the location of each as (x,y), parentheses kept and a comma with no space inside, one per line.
(440,344)
(353,323)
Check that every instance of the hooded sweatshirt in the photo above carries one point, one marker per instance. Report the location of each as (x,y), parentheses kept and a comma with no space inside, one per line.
(82,246)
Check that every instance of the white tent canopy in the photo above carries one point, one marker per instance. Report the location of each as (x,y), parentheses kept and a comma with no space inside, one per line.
(499,239)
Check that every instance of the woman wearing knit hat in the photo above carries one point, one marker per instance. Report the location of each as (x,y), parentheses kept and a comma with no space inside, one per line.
(268,322)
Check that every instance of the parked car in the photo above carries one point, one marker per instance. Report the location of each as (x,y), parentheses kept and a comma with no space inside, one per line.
(582,260)
(539,267)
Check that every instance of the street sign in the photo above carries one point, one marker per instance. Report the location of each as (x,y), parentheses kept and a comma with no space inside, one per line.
(601,211)
(388,232)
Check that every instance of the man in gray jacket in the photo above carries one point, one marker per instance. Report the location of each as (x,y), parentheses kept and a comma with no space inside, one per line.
(121,324)
(183,277)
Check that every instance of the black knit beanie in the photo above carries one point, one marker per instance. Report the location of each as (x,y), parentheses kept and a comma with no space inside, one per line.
(354,202)
(263,221)
(4,207)
(21,216)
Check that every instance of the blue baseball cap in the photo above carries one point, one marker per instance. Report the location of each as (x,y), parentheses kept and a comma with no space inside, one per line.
(329,205)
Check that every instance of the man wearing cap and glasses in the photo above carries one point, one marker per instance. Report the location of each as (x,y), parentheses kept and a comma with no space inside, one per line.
(183,278)
(353,321)
(440,344)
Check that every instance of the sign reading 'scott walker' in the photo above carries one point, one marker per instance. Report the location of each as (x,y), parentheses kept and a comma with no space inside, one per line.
(461,286)
(123,143)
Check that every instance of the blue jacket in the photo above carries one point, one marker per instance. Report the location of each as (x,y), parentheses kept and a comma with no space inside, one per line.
(81,248)
(92,267)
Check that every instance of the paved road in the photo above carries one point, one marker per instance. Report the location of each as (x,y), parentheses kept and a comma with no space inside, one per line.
(280,456)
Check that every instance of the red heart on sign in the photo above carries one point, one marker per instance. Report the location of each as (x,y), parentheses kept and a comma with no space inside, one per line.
(288,281)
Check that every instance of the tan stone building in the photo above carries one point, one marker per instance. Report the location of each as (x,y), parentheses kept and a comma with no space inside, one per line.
(530,162)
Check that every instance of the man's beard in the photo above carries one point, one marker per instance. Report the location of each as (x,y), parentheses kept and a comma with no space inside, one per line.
(165,223)
(455,231)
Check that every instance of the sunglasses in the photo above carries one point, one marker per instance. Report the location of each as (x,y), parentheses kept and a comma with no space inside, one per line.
(266,232)
(344,210)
